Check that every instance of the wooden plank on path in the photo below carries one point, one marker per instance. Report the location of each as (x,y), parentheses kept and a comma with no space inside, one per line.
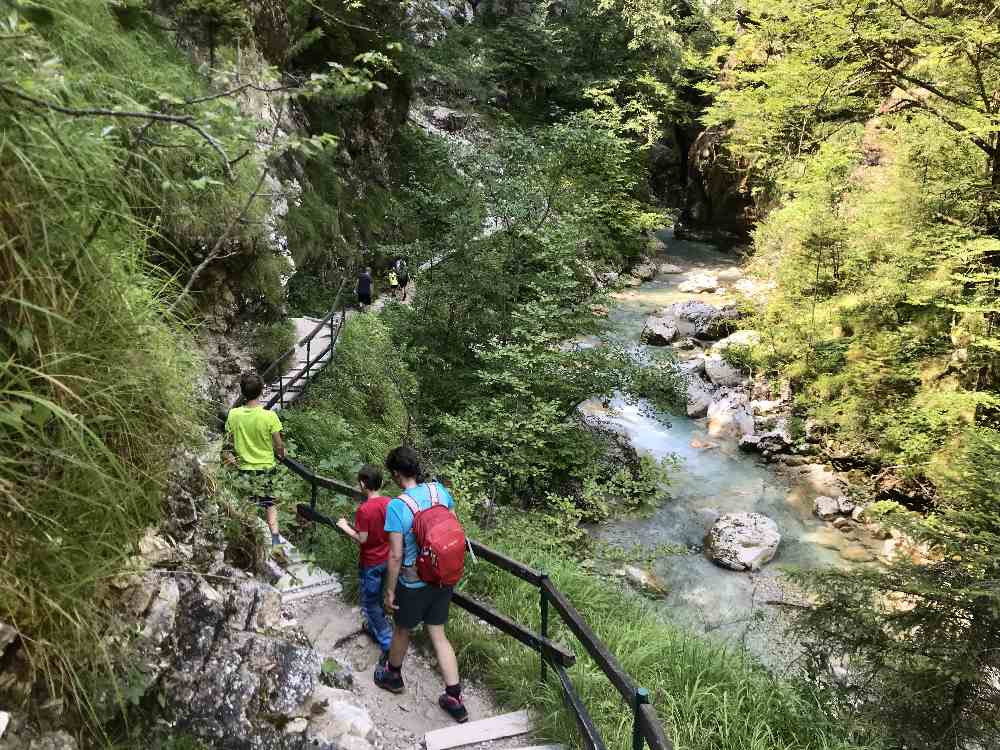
(507,725)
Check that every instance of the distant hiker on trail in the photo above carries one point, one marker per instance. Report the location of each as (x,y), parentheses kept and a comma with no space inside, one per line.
(393,282)
(364,288)
(403,275)
(254,433)
(369,532)
(426,557)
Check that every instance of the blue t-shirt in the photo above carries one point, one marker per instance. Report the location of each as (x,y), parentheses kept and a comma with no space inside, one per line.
(399,519)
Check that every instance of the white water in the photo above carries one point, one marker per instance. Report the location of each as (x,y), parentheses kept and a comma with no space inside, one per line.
(710,481)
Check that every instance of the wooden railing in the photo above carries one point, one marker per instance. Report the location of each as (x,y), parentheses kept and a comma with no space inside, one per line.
(646,726)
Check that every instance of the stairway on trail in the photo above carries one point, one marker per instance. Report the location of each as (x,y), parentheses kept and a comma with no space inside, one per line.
(300,358)
(412,719)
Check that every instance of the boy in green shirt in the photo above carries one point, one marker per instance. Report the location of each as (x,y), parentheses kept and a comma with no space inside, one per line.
(254,433)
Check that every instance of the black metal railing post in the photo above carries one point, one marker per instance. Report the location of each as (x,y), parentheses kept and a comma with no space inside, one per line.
(308,357)
(641,698)
(281,390)
(543,605)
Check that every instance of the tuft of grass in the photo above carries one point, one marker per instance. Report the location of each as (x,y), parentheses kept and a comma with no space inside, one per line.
(96,375)
(269,341)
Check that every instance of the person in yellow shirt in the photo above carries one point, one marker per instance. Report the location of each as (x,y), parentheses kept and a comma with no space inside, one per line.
(253,445)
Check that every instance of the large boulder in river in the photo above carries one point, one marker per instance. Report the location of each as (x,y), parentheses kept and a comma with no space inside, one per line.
(646,270)
(729,416)
(699,397)
(659,331)
(742,541)
(703,321)
(697,282)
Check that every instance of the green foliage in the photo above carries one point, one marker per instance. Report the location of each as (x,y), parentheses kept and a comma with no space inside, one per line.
(369,387)
(269,341)
(920,640)
(882,242)
(496,387)
(95,373)
(213,22)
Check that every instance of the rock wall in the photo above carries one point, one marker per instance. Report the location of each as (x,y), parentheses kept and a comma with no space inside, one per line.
(718,204)
(206,650)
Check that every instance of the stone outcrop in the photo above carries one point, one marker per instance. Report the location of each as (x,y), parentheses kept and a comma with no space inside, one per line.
(697,283)
(718,203)
(721,373)
(215,651)
(742,541)
(447,119)
(729,416)
(829,508)
(658,331)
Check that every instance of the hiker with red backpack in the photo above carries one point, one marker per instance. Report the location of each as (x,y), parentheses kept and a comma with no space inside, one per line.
(426,559)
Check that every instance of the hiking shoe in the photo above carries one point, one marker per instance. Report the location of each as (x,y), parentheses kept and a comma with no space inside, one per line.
(386,679)
(454,707)
(383,660)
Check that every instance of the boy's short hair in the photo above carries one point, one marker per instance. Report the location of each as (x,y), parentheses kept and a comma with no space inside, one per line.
(404,460)
(251,386)
(371,477)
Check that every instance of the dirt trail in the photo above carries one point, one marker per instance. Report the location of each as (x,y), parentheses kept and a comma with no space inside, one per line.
(333,625)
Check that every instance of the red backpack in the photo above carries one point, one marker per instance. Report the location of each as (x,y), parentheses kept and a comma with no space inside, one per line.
(440,541)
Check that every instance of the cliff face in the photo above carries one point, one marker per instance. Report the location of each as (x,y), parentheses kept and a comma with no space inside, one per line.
(718,204)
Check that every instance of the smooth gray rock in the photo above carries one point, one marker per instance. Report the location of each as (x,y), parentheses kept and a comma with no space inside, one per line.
(826,508)
(742,541)
(699,397)
(729,416)
(722,373)
(703,321)
(658,331)
(697,282)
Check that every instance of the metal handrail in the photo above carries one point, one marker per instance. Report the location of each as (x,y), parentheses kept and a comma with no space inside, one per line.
(307,339)
(646,726)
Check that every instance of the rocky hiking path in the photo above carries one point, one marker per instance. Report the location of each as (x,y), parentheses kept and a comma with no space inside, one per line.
(332,624)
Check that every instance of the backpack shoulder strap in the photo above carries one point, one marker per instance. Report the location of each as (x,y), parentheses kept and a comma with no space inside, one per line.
(410,503)
(432,487)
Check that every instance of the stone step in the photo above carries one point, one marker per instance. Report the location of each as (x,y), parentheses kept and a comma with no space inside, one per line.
(303,579)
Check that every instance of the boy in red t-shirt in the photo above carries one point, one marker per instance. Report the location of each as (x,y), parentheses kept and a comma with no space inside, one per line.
(369,532)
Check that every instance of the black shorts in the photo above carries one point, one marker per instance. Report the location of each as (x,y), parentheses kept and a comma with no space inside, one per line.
(365,299)
(427,604)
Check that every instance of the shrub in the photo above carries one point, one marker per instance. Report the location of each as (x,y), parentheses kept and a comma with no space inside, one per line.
(269,341)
